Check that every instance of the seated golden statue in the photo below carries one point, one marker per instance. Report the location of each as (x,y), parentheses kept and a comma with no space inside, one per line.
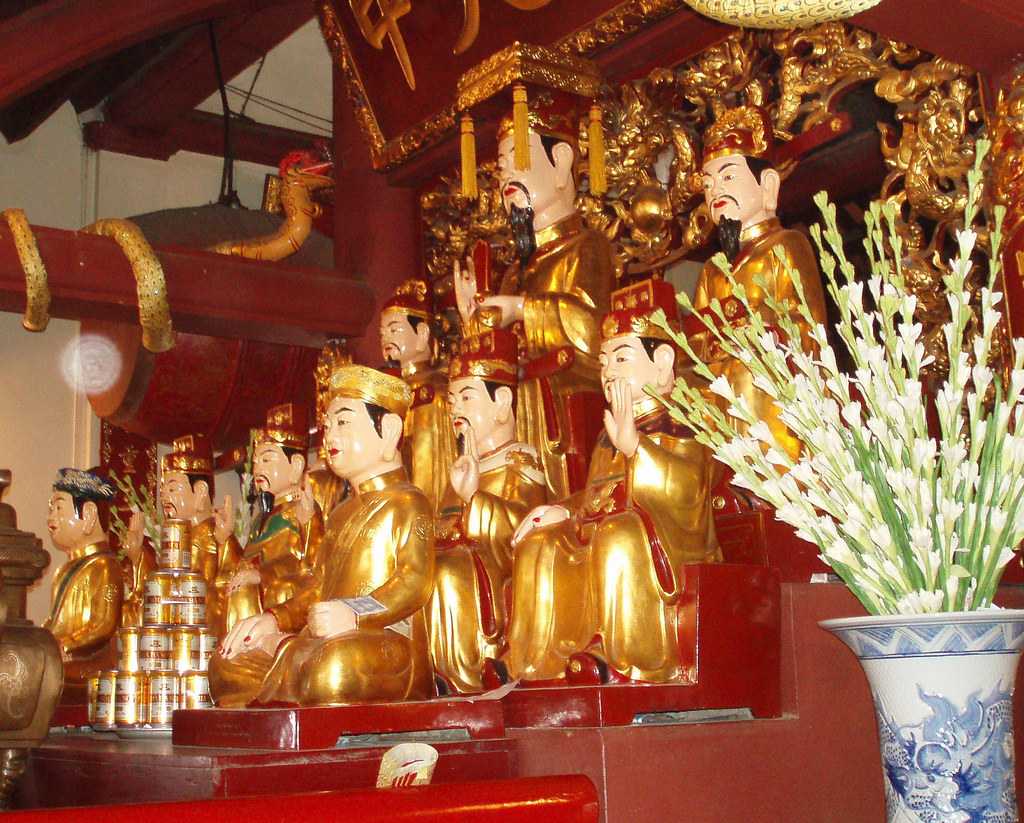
(428,447)
(742,190)
(281,552)
(493,484)
(186,489)
(140,562)
(85,609)
(598,573)
(365,636)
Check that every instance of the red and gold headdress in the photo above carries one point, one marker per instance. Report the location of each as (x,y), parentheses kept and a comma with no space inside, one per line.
(287,426)
(412,297)
(634,306)
(492,356)
(191,454)
(548,89)
(744,130)
(371,386)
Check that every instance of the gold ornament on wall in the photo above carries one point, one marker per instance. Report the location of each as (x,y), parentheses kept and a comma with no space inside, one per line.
(779,14)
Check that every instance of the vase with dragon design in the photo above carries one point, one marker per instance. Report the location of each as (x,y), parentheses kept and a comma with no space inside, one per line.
(943,688)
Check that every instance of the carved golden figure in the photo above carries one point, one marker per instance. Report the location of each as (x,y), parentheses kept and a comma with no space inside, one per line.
(493,484)
(428,446)
(141,562)
(279,557)
(85,608)
(557,292)
(186,487)
(599,572)
(365,634)
(742,191)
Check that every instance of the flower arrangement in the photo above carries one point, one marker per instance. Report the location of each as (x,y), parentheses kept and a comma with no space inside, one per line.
(912,523)
(139,501)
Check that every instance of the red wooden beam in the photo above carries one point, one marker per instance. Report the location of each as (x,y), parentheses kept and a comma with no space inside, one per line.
(208,293)
(181,79)
(58,36)
(568,798)
(201,132)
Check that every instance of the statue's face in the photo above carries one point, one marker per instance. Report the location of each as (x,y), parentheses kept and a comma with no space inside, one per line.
(537,187)
(625,358)
(471,407)
(731,190)
(66,528)
(177,497)
(400,341)
(353,446)
(273,471)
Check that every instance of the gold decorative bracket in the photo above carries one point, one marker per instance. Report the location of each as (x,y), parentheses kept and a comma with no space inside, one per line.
(37,289)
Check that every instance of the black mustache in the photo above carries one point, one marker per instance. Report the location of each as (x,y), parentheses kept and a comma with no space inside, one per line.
(515,184)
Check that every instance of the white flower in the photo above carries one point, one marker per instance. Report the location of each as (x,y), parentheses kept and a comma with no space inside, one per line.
(723,388)
(920,602)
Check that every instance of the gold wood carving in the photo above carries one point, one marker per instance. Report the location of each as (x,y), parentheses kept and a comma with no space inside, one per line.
(37,289)
(154,313)
(610,28)
(1007,129)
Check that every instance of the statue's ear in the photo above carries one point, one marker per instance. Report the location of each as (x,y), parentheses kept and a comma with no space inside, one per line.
(391,427)
(90,516)
(770,185)
(665,362)
(563,157)
(297,465)
(504,398)
(201,489)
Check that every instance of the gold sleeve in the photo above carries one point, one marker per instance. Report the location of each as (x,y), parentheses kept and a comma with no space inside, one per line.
(490,520)
(802,260)
(91,610)
(408,587)
(291,615)
(670,480)
(229,555)
(570,314)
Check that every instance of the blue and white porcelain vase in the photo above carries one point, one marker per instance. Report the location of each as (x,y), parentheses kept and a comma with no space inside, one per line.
(943,687)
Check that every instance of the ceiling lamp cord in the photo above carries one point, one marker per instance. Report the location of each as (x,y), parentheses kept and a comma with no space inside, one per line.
(228,195)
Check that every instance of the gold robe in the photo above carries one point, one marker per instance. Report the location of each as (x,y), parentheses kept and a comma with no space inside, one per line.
(467,612)
(757,260)
(428,444)
(135,586)
(216,563)
(567,287)
(284,553)
(378,543)
(85,610)
(606,580)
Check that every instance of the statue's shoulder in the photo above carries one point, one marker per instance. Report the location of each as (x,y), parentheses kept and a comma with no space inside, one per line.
(524,459)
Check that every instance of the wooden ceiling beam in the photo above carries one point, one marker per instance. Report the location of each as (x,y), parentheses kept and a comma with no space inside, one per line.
(203,133)
(178,81)
(58,36)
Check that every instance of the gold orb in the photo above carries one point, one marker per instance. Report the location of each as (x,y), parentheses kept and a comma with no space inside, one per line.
(650,209)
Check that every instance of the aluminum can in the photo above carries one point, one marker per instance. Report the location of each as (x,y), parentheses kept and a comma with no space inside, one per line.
(128,649)
(162,697)
(161,591)
(191,584)
(184,649)
(130,699)
(191,611)
(175,545)
(207,647)
(92,688)
(155,648)
(106,688)
(195,691)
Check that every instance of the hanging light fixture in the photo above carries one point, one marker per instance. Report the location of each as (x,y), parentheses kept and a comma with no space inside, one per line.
(779,14)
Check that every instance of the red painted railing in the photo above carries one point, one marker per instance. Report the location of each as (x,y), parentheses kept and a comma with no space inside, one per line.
(557,799)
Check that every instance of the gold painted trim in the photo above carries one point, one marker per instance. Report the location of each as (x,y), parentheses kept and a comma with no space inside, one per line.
(37,287)
(154,313)
(610,28)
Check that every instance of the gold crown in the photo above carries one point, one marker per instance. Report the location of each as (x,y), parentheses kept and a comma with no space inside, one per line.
(371,386)
(286,427)
(742,130)
(191,454)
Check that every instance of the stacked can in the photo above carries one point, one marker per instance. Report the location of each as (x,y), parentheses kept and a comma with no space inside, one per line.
(162,664)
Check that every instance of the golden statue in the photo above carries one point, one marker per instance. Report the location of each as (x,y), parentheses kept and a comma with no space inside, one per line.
(357,632)
(85,609)
(599,573)
(186,487)
(280,555)
(405,336)
(493,484)
(558,291)
(140,563)
(742,190)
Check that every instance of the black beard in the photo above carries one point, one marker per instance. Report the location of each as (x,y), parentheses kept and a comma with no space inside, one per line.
(391,363)
(264,505)
(521,220)
(460,444)
(729,231)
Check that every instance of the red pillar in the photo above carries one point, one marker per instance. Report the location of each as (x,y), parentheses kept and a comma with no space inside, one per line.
(376,226)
